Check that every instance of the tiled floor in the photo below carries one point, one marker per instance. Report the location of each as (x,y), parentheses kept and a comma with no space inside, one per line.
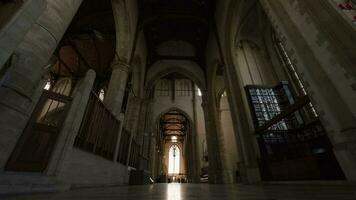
(203,192)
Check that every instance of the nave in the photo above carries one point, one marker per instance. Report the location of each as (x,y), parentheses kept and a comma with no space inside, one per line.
(108,94)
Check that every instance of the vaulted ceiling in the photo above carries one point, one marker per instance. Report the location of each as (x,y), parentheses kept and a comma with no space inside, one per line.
(173,123)
(89,42)
(176,29)
(173,30)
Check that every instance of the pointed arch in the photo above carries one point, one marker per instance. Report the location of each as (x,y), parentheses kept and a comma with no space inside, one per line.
(174,159)
(165,67)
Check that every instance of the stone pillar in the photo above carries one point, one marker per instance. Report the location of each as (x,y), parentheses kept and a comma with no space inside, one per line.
(129,150)
(152,153)
(246,142)
(143,115)
(21,81)
(143,136)
(133,115)
(215,163)
(117,146)
(17,26)
(195,146)
(147,128)
(117,86)
(131,120)
(72,124)
(223,153)
(115,95)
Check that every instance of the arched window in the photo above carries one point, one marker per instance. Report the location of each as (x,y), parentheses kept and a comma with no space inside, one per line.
(163,88)
(63,86)
(197,89)
(291,69)
(174,158)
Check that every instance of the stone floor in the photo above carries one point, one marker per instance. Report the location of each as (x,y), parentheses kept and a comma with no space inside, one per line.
(203,192)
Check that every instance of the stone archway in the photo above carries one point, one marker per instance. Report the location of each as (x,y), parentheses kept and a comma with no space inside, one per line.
(175,127)
(164,67)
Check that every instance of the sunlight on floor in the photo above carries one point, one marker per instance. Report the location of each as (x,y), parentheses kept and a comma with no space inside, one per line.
(174,191)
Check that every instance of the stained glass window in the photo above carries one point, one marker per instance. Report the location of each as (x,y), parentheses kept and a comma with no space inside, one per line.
(265,104)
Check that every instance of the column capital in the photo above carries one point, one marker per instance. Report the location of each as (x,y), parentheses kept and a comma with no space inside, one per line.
(120,65)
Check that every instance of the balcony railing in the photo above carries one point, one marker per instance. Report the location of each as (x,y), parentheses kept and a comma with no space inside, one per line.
(134,154)
(99,130)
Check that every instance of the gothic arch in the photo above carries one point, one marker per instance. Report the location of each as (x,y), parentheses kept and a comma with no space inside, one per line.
(219,95)
(212,77)
(174,160)
(240,114)
(165,67)
(157,117)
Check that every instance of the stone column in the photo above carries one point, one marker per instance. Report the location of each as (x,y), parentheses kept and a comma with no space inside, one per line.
(146,126)
(16,28)
(195,146)
(246,142)
(143,137)
(117,146)
(223,153)
(152,156)
(72,124)
(21,81)
(143,115)
(215,163)
(117,86)
(115,95)
(133,115)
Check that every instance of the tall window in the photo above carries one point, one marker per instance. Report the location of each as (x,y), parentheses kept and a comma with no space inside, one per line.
(63,86)
(266,105)
(183,87)
(174,158)
(163,87)
(292,70)
(198,92)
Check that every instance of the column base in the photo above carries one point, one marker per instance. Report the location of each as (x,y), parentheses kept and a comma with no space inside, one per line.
(140,177)
(347,161)
(253,175)
(345,152)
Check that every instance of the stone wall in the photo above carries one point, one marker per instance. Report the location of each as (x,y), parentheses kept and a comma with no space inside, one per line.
(82,169)
(15,21)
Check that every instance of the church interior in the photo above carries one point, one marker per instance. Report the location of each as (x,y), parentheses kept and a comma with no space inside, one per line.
(178,99)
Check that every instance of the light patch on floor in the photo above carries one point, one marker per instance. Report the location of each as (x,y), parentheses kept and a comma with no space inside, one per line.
(203,192)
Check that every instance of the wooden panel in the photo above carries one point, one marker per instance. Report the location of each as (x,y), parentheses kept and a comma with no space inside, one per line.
(35,146)
(134,154)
